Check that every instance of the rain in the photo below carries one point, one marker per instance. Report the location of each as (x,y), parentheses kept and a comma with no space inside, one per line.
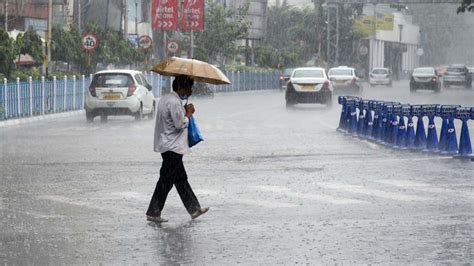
(296,168)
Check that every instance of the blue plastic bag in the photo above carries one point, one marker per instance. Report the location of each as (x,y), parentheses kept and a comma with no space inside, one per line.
(194,134)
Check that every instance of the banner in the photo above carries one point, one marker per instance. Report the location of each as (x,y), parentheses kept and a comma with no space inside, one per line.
(165,14)
(192,15)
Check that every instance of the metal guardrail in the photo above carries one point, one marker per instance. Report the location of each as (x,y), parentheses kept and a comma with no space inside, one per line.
(30,98)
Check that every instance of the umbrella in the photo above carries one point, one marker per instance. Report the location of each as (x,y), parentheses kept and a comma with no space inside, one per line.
(197,70)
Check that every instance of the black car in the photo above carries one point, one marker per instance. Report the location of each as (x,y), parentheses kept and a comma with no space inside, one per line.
(284,77)
(457,75)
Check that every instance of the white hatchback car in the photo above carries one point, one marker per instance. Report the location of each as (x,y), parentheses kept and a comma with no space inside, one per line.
(119,92)
(380,76)
(345,78)
(308,85)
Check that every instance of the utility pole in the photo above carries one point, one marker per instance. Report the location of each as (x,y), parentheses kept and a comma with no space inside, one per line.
(125,24)
(136,18)
(6,15)
(48,39)
(79,11)
(107,14)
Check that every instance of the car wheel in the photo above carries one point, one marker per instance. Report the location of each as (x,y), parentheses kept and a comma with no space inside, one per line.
(153,111)
(390,84)
(89,117)
(139,113)
(103,118)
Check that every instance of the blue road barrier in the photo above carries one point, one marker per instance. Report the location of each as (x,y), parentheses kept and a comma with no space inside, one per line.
(369,122)
(402,128)
(465,148)
(342,100)
(361,105)
(432,137)
(448,142)
(388,125)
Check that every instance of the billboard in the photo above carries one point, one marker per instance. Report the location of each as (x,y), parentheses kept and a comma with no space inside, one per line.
(165,14)
(192,15)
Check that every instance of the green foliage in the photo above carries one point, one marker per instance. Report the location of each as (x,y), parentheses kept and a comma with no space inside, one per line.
(291,37)
(30,43)
(223,28)
(8,52)
(112,48)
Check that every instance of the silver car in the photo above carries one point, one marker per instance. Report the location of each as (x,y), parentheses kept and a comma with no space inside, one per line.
(425,78)
(380,76)
(345,78)
(308,85)
(119,92)
(457,75)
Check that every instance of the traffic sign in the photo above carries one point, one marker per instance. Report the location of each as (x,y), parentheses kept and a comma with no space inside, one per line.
(145,42)
(420,51)
(89,42)
(172,46)
(192,15)
(165,14)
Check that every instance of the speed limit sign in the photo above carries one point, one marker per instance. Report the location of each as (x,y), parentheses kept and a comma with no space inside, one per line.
(172,46)
(89,42)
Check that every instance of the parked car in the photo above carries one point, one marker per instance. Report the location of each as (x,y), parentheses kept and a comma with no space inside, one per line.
(345,78)
(284,77)
(119,92)
(425,78)
(380,76)
(308,85)
(457,75)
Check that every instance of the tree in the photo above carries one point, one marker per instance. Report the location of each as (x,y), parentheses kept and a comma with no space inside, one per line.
(112,48)
(222,30)
(295,35)
(466,5)
(8,52)
(30,43)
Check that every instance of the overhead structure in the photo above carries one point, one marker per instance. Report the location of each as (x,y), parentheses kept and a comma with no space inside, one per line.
(393,2)
(333,20)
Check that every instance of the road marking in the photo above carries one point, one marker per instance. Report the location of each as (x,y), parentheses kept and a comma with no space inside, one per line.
(309,196)
(407,184)
(371,192)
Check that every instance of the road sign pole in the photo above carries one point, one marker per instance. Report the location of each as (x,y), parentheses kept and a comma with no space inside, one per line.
(192,44)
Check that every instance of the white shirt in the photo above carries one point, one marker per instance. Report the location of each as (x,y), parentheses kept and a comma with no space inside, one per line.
(171,126)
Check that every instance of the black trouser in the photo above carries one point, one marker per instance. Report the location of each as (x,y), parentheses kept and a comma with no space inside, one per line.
(172,172)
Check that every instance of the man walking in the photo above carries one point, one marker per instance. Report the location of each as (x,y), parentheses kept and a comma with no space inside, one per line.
(171,140)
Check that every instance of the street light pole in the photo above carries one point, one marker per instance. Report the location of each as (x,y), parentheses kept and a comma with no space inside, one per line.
(400,28)
(6,15)
(136,18)
(48,41)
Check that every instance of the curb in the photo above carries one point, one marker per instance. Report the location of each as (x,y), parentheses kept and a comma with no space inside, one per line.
(27,120)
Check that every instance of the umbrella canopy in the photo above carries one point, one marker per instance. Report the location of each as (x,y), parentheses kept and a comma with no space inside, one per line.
(197,70)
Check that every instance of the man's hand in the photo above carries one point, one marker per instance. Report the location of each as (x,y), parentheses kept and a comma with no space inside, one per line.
(189,109)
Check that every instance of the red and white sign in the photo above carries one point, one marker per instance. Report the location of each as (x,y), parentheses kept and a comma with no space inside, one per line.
(145,42)
(89,42)
(192,15)
(165,14)
(172,46)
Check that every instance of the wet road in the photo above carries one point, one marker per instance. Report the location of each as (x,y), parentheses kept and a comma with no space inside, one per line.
(283,187)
